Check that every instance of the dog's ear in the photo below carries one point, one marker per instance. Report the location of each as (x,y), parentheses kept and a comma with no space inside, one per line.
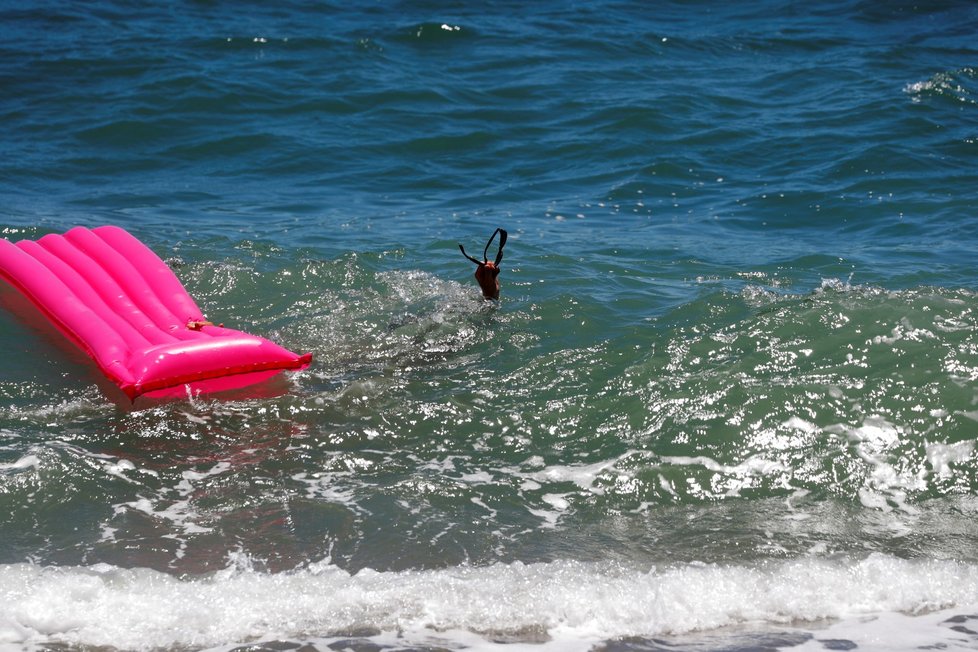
(502,243)
(468,256)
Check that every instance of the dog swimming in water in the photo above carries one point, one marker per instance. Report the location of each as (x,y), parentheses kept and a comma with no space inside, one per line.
(487,273)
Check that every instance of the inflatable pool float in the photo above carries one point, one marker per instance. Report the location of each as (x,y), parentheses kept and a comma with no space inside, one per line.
(123,306)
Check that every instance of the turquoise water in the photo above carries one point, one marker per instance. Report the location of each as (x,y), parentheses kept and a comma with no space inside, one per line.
(727,399)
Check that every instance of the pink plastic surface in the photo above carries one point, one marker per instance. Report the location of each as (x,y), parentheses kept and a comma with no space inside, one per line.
(122,305)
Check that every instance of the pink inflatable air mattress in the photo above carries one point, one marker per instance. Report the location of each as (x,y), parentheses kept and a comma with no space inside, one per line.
(124,307)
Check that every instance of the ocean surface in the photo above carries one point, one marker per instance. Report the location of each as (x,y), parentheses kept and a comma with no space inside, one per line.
(728,399)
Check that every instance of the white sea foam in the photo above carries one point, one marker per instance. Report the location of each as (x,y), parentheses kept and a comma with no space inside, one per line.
(942,456)
(25,462)
(571,603)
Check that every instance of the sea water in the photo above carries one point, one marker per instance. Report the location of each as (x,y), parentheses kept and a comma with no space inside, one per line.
(728,399)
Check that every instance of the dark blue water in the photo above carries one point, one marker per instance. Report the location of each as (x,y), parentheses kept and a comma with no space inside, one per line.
(727,398)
